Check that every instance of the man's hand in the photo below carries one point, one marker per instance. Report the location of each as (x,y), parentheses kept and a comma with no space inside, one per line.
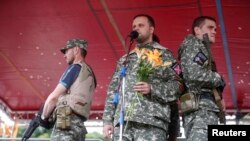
(223,105)
(142,87)
(107,131)
(47,123)
(172,138)
(222,85)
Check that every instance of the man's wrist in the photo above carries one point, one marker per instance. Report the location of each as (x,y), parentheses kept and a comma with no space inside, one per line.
(42,117)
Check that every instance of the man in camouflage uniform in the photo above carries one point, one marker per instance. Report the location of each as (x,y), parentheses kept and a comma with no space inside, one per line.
(72,97)
(200,79)
(150,116)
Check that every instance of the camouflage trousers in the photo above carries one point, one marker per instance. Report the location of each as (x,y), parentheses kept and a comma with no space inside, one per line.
(76,133)
(140,132)
(196,124)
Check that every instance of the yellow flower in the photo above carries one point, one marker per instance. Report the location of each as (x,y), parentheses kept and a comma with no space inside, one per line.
(154,57)
(139,52)
(149,60)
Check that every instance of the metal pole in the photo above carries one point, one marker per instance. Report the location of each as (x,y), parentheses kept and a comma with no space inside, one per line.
(123,76)
(227,54)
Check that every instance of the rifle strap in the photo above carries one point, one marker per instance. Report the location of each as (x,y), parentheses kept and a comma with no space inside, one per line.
(216,94)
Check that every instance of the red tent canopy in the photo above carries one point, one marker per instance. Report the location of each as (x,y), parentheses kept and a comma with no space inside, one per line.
(33,31)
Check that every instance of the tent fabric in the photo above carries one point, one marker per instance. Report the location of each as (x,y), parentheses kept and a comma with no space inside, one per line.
(33,31)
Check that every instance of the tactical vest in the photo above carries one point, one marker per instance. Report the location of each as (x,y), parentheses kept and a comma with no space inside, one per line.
(79,95)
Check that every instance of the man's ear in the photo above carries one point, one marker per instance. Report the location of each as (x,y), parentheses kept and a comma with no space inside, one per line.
(197,31)
(151,29)
(76,49)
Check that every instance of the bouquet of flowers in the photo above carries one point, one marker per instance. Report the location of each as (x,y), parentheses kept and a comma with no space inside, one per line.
(149,61)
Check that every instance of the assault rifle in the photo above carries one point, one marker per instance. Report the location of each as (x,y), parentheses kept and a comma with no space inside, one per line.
(38,121)
(216,91)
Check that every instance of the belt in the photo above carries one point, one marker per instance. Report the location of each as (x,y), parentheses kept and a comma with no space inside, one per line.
(80,116)
(206,95)
(206,90)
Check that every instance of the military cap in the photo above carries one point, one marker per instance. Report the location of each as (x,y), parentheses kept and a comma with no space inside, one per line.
(73,43)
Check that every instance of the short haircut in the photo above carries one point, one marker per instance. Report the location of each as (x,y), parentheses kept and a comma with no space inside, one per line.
(199,22)
(151,21)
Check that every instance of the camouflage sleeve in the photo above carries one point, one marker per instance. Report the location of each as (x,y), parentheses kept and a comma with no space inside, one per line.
(195,68)
(167,85)
(109,109)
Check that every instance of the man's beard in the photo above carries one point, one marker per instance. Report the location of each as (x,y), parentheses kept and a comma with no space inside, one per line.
(141,40)
(71,61)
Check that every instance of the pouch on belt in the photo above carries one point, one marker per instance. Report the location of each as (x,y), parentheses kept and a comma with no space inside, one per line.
(189,102)
(63,117)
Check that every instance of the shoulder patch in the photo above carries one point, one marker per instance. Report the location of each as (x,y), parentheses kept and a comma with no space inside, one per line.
(176,67)
(200,58)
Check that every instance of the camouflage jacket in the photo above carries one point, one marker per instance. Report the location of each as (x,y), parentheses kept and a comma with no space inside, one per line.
(197,74)
(154,108)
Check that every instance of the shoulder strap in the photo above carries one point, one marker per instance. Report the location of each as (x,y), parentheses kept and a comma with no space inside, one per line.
(85,72)
(207,45)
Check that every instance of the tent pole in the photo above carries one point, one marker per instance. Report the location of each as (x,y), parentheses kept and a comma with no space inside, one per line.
(226,52)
